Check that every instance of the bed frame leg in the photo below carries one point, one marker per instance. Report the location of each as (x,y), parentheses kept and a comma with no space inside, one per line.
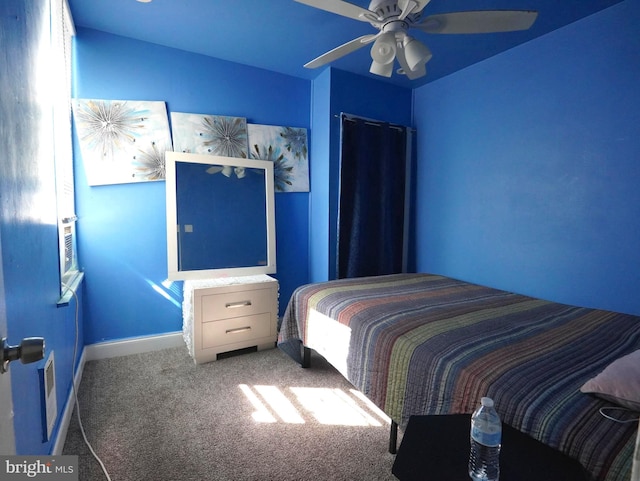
(393,438)
(306,357)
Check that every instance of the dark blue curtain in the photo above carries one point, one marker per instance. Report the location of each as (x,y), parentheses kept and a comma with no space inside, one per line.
(372,198)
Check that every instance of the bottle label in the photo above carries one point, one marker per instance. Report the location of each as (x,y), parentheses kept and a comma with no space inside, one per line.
(490,436)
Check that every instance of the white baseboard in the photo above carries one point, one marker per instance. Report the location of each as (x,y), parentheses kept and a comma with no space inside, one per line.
(134,345)
(61,437)
(104,350)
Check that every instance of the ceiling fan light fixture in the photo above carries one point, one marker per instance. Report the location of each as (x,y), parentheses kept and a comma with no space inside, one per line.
(416,53)
(383,50)
(227,170)
(382,69)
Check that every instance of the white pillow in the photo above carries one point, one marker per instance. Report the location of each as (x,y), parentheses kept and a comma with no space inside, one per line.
(619,382)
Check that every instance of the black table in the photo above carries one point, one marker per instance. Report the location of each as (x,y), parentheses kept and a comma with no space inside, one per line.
(436,448)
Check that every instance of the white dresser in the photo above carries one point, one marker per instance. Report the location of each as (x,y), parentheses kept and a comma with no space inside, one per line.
(221,315)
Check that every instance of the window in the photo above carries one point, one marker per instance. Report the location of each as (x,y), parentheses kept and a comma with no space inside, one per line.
(62,32)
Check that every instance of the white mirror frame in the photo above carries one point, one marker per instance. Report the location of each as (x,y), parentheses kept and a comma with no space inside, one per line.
(174,273)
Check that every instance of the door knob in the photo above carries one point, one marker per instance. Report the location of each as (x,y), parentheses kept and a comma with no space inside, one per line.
(31,349)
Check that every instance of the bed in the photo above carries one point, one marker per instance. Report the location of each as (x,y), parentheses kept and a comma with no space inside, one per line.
(419,344)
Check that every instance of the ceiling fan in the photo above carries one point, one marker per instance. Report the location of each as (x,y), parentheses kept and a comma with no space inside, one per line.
(394,18)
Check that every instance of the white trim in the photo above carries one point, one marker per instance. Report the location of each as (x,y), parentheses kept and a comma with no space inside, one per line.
(65,420)
(69,19)
(172,160)
(134,345)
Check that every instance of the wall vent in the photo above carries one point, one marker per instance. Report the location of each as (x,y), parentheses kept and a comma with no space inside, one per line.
(49,405)
(68,248)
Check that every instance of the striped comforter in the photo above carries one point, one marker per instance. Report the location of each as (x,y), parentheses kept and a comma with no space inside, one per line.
(426,344)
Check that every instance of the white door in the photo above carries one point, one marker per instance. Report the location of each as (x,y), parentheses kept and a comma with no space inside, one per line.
(7,439)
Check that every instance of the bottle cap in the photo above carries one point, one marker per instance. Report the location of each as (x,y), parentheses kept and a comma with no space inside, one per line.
(487,401)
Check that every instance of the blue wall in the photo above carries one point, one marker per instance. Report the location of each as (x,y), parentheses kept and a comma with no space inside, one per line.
(121,230)
(529,166)
(320,152)
(334,92)
(28,221)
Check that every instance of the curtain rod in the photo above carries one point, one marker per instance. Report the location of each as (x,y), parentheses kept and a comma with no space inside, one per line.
(376,123)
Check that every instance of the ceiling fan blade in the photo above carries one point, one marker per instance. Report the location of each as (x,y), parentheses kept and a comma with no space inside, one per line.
(419,71)
(487,21)
(409,7)
(342,8)
(341,51)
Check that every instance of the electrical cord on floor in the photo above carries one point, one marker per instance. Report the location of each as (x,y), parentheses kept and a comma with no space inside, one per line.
(604,410)
(75,391)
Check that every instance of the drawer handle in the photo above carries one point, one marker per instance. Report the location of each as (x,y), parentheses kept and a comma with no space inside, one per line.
(233,305)
(239,329)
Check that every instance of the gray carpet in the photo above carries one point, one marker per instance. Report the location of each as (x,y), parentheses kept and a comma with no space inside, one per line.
(157,416)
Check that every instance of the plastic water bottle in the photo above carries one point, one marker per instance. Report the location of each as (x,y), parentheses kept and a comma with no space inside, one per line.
(486,437)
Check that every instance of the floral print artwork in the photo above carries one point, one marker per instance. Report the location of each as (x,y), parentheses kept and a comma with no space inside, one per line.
(210,134)
(287,148)
(122,141)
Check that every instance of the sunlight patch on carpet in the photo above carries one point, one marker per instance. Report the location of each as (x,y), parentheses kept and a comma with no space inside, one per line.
(261,414)
(280,404)
(296,405)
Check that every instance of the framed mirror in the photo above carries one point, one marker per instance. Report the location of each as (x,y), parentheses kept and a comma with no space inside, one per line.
(220,216)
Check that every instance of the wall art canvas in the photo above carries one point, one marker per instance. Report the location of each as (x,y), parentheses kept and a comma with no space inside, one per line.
(287,148)
(122,141)
(210,134)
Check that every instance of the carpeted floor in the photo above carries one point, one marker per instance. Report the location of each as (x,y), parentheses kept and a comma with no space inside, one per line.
(257,416)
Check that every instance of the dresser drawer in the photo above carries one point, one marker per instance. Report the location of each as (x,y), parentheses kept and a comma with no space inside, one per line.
(237,329)
(236,304)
